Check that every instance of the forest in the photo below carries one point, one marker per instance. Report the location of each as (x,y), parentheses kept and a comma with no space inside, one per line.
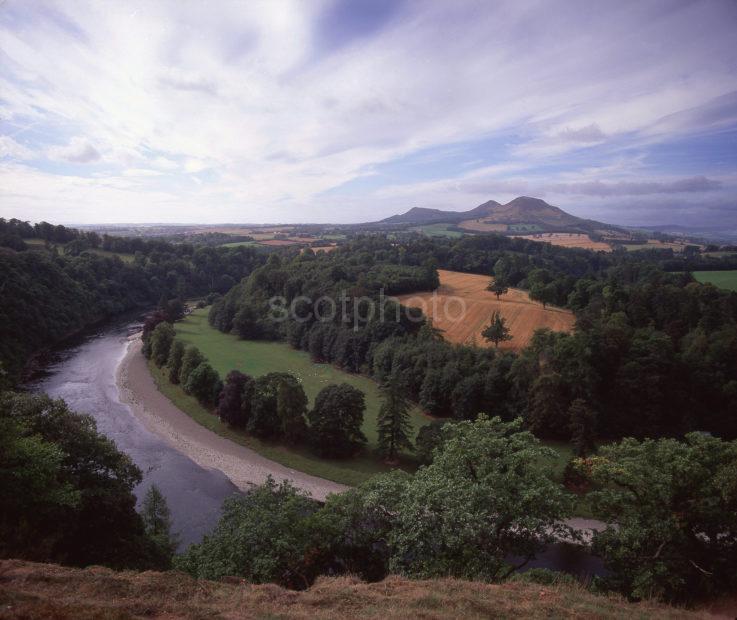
(653,353)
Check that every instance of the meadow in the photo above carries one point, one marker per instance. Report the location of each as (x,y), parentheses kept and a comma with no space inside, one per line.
(226,352)
(721,279)
(438,230)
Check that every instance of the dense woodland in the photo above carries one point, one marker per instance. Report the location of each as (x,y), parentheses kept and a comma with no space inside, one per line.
(654,353)
(48,295)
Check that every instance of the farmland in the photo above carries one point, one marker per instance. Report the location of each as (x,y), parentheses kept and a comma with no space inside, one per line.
(523,315)
(479,225)
(438,230)
(569,240)
(721,279)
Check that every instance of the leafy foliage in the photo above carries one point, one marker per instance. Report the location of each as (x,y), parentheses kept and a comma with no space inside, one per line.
(335,421)
(672,510)
(66,490)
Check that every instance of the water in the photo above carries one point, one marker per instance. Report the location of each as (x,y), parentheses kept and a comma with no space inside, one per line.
(83,374)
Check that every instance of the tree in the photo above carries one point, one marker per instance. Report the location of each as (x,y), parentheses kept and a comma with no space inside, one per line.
(160,343)
(336,419)
(547,413)
(157,521)
(66,491)
(174,363)
(583,427)
(393,422)
(234,404)
(497,331)
(278,405)
(498,287)
(291,407)
(429,437)
(263,536)
(671,510)
(191,359)
(486,476)
(204,384)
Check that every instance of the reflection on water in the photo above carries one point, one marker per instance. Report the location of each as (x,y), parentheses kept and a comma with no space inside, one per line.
(83,374)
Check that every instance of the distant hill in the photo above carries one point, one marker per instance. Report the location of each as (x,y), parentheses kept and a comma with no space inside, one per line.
(522,210)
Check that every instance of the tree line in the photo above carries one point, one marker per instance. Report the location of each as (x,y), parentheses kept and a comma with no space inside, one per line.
(653,353)
(46,296)
(275,407)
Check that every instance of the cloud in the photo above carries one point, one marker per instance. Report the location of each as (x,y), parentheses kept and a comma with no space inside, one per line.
(78,151)
(14,150)
(276,106)
(637,188)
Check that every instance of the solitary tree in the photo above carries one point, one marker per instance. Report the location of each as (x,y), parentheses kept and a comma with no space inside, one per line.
(497,331)
(336,419)
(157,521)
(582,425)
(498,287)
(174,363)
(393,422)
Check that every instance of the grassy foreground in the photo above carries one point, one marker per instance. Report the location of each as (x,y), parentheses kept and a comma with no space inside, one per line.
(50,591)
(721,279)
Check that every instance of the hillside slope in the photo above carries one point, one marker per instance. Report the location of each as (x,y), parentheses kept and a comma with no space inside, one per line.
(521,210)
(29,590)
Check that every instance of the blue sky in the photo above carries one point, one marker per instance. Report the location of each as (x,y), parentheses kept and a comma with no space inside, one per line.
(350,111)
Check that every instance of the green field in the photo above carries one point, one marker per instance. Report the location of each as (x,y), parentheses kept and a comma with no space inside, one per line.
(721,279)
(40,244)
(236,244)
(226,352)
(437,230)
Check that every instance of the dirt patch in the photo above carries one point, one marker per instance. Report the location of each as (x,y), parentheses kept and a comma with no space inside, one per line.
(463,321)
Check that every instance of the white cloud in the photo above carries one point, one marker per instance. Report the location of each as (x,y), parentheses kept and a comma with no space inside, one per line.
(78,151)
(238,94)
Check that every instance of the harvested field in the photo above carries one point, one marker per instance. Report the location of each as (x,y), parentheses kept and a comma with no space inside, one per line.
(324,248)
(523,315)
(281,242)
(482,226)
(568,240)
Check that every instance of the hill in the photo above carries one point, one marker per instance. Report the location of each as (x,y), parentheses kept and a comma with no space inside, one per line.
(31,590)
(523,214)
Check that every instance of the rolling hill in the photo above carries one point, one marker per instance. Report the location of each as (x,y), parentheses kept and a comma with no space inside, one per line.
(533,213)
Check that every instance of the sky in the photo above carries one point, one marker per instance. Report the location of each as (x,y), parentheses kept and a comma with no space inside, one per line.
(352,110)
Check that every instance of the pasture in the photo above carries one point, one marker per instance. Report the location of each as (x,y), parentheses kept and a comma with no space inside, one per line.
(523,315)
(721,279)
(255,357)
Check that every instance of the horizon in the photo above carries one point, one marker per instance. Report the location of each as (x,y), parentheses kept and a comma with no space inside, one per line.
(347,112)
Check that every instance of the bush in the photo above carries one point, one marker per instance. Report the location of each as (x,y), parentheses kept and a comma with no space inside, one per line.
(204,384)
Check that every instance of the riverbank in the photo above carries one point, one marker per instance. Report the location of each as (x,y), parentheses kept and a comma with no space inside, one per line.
(243,466)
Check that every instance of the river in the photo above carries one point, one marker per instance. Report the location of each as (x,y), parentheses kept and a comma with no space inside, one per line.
(83,374)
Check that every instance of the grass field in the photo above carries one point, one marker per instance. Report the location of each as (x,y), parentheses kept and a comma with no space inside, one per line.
(721,279)
(438,230)
(523,316)
(226,352)
(40,244)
